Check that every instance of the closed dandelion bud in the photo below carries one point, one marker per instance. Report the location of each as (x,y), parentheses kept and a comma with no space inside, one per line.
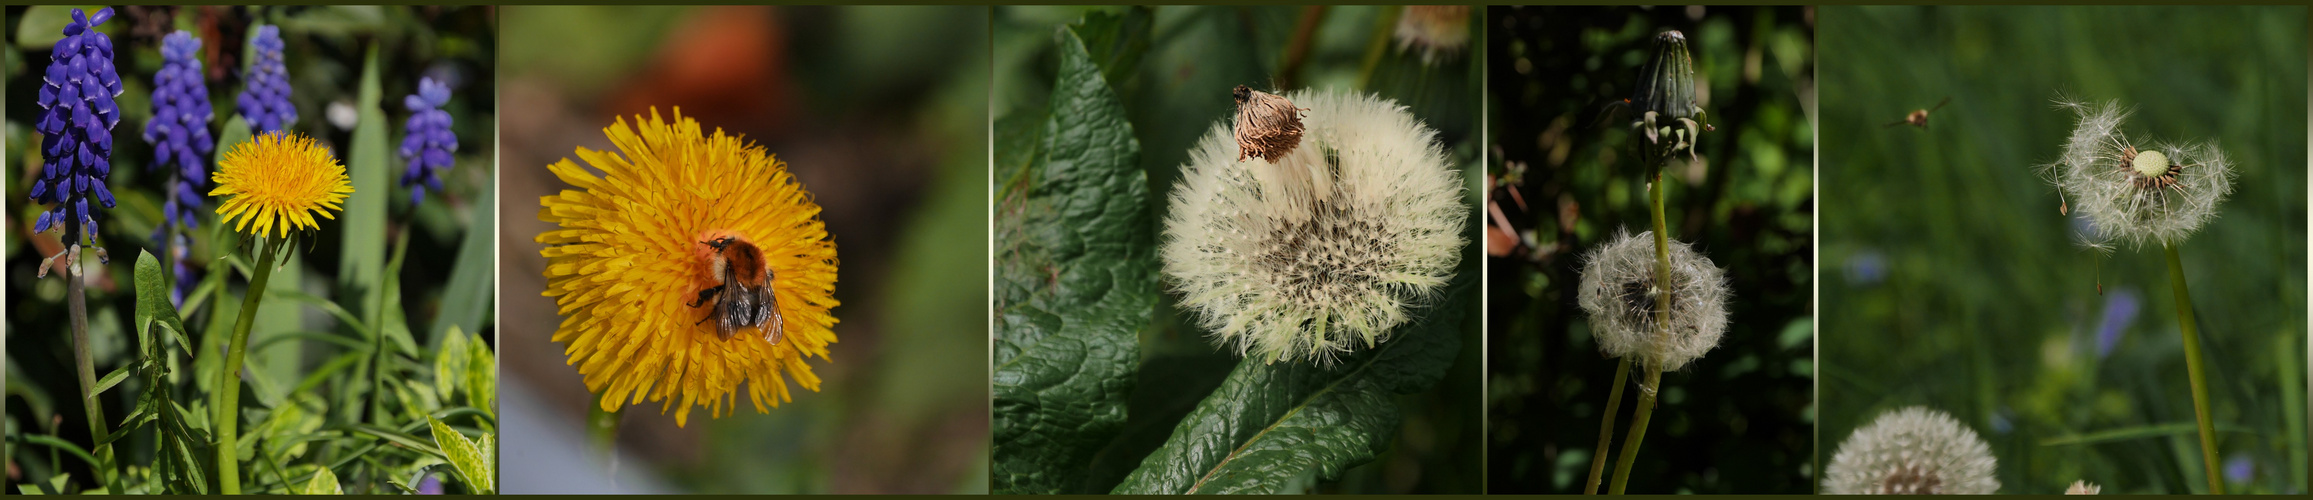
(1321,250)
(2083,488)
(1912,451)
(2132,192)
(1619,293)
(1668,116)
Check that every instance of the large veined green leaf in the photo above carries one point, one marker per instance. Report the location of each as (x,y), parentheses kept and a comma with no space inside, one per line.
(472,466)
(1076,281)
(1268,424)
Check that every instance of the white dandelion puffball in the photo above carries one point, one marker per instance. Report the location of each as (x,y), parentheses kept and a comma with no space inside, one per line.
(2156,192)
(1325,250)
(1618,291)
(1912,451)
(2083,487)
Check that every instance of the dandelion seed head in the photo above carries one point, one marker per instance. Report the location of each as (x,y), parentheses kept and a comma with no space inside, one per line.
(1324,250)
(2083,487)
(1618,291)
(1912,451)
(2131,192)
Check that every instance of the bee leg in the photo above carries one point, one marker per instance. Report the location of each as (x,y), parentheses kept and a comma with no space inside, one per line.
(707,294)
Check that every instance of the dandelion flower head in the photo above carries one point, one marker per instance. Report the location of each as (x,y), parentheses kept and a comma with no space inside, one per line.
(2136,193)
(626,260)
(278,182)
(1912,451)
(1325,249)
(1619,293)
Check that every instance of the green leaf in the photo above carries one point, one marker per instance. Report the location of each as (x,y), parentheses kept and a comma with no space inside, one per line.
(390,319)
(1268,422)
(1116,41)
(471,291)
(323,483)
(472,465)
(153,301)
(481,374)
(450,363)
(362,261)
(43,25)
(112,379)
(1076,282)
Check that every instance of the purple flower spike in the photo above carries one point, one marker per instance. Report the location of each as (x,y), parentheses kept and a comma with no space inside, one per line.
(429,142)
(77,93)
(179,133)
(265,100)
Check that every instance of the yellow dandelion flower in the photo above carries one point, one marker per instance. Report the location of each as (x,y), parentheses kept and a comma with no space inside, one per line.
(278,182)
(637,245)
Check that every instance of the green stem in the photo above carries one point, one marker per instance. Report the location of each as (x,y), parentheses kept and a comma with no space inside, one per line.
(1662,297)
(602,427)
(2194,370)
(228,418)
(1606,428)
(1637,429)
(75,293)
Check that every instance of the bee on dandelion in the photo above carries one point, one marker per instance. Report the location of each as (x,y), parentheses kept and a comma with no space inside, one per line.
(690,265)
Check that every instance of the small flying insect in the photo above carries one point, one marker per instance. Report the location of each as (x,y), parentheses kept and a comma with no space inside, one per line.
(742,296)
(1268,125)
(1919,117)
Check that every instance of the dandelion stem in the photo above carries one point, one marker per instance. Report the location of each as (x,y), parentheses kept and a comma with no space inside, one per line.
(1606,428)
(2194,370)
(75,292)
(1662,296)
(1638,421)
(602,431)
(228,416)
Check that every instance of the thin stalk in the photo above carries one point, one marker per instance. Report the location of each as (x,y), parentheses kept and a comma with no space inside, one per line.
(2194,370)
(75,293)
(1606,428)
(1662,284)
(1637,429)
(602,431)
(228,416)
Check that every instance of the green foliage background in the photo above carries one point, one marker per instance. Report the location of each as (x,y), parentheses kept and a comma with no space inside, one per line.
(1952,280)
(378,320)
(1161,409)
(1741,418)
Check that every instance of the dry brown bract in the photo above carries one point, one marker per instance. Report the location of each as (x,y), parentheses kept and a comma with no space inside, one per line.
(1268,125)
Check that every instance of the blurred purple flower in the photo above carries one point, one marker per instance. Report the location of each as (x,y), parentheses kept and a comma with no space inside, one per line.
(429,141)
(76,129)
(1866,267)
(431,485)
(2240,468)
(2120,308)
(265,99)
(179,133)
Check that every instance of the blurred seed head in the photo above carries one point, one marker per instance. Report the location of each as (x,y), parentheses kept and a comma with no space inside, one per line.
(2135,193)
(1439,31)
(1913,450)
(1322,250)
(2083,487)
(1618,291)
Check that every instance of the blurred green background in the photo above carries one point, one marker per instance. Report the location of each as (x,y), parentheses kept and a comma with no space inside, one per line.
(1952,281)
(444,279)
(882,114)
(1562,181)
(1173,92)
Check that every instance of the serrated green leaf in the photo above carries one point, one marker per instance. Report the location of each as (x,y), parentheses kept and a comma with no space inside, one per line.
(1268,422)
(481,374)
(472,465)
(450,363)
(1076,282)
(324,482)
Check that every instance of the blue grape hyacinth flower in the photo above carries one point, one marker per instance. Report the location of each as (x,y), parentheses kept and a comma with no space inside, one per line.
(429,142)
(179,133)
(265,99)
(76,128)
